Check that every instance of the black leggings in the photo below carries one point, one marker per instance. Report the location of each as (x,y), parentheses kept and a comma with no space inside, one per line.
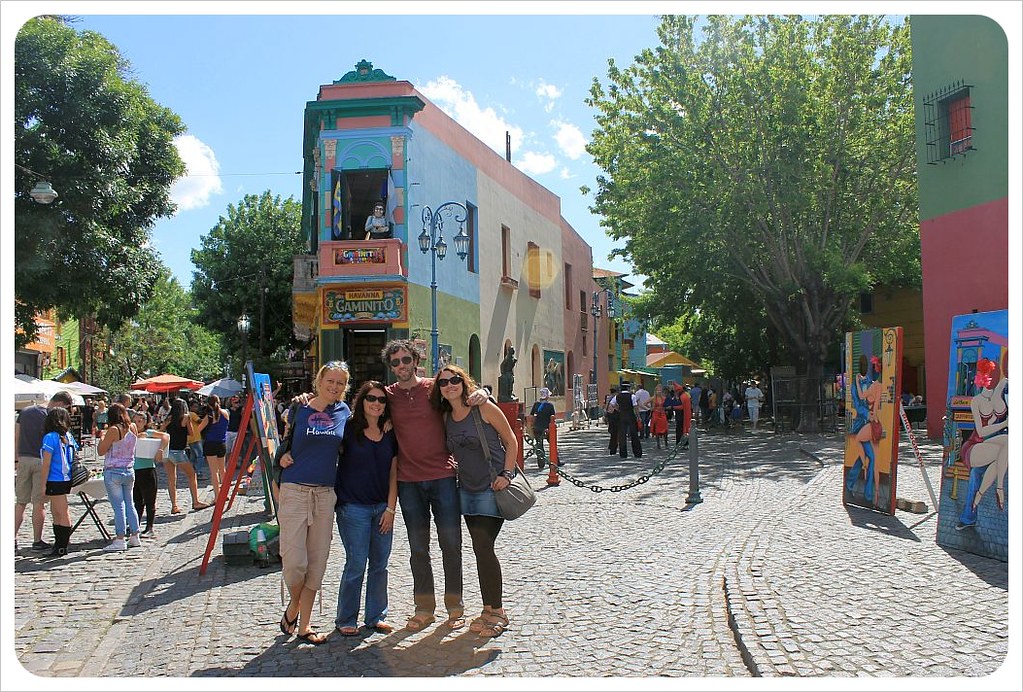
(483,530)
(144,495)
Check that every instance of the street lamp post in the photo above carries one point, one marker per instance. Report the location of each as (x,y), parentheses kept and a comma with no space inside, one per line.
(243,328)
(597,310)
(432,241)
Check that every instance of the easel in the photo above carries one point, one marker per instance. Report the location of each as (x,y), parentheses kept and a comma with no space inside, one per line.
(249,440)
(916,450)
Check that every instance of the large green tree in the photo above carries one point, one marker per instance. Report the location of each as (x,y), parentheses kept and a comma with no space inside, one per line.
(761,171)
(245,265)
(165,336)
(107,148)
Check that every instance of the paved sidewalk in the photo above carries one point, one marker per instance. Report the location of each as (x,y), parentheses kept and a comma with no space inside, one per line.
(769,576)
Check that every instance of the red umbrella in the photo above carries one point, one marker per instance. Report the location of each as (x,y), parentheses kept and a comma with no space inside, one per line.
(166,383)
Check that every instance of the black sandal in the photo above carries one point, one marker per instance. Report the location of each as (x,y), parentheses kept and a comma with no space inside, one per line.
(288,626)
(313,637)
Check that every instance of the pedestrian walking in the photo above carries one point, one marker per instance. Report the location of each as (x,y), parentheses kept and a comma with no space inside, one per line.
(176,426)
(539,420)
(367,494)
(644,404)
(307,497)
(627,423)
(754,397)
(659,418)
(486,451)
(683,415)
(611,416)
(214,440)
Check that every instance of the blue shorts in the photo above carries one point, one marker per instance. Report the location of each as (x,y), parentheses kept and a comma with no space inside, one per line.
(478,503)
(178,456)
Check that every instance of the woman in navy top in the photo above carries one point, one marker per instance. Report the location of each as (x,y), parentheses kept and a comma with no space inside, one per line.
(367,491)
(307,498)
(214,440)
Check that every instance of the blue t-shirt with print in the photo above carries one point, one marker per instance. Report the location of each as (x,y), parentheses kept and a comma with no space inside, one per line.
(60,455)
(316,444)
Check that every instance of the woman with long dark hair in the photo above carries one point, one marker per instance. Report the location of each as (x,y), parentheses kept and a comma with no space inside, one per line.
(148,451)
(176,425)
(57,451)
(367,493)
(118,448)
(480,476)
(214,443)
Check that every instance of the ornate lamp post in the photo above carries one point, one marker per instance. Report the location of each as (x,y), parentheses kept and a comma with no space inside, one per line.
(596,309)
(244,323)
(432,241)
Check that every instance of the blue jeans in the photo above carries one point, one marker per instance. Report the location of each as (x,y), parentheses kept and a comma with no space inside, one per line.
(119,484)
(359,526)
(198,458)
(417,500)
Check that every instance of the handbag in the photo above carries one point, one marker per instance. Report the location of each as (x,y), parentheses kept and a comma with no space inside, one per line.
(79,471)
(518,496)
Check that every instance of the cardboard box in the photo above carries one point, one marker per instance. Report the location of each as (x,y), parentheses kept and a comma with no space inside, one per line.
(236,548)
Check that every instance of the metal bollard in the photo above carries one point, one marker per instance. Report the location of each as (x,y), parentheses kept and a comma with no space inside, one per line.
(552,459)
(694,466)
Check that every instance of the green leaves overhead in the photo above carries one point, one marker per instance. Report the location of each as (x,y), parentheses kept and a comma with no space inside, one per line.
(762,170)
(95,134)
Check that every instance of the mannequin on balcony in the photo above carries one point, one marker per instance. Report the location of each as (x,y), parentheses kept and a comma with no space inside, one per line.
(377,227)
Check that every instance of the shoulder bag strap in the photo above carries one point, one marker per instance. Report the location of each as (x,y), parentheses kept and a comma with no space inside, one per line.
(483,441)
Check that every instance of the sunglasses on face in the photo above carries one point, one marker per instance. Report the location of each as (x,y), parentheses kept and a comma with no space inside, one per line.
(445,381)
(374,399)
(395,362)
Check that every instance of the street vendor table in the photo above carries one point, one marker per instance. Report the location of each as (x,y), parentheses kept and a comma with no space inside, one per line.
(91,492)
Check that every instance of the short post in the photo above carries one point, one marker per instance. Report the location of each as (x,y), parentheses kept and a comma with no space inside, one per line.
(511,412)
(694,466)
(552,461)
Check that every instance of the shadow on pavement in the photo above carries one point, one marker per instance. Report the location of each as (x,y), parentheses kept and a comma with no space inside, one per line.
(436,655)
(882,523)
(185,582)
(989,569)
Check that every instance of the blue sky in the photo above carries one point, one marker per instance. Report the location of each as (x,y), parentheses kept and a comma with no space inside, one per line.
(241,82)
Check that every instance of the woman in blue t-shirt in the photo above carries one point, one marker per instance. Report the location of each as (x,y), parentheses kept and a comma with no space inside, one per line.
(307,498)
(367,492)
(57,451)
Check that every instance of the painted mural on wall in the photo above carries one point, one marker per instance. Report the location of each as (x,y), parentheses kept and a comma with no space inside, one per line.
(554,372)
(873,361)
(973,508)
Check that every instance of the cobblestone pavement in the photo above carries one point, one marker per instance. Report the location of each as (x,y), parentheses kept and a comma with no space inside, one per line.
(769,576)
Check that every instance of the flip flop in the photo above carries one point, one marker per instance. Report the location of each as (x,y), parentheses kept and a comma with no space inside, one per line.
(312,637)
(348,631)
(288,626)
(200,506)
(382,628)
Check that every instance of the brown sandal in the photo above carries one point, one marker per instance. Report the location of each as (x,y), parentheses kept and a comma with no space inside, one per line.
(419,621)
(495,624)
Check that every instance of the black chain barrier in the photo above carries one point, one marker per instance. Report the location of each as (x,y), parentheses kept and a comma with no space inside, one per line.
(535,451)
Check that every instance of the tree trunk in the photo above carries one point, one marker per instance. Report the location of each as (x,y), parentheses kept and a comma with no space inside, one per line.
(809,374)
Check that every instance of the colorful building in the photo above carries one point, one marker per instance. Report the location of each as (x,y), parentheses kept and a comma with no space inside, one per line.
(960,83)
(526,274)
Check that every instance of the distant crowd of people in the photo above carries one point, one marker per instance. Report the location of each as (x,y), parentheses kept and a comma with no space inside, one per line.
(633,416)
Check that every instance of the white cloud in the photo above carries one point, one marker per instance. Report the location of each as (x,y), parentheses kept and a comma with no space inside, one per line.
(202,179)
(565,174)
(570,139)
(461,105)
(549,92)
(534,163)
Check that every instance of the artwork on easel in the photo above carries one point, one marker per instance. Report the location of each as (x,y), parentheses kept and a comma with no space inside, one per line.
(873,363)
(264,420)
(973,508)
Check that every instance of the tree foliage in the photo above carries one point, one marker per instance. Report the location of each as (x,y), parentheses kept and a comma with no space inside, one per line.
(107,148)
(245,264)
(762,175)
(163,337)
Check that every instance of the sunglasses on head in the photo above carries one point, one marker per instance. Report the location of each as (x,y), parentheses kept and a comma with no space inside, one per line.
(395,362)
(373,398)
(445,381)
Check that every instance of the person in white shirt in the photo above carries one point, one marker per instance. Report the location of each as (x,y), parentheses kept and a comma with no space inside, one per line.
(754,397)
(644,407)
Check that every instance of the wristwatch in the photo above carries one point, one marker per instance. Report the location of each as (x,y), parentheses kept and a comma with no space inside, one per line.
(508,474)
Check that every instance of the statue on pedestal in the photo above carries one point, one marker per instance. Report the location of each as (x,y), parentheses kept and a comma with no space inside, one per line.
(506,382)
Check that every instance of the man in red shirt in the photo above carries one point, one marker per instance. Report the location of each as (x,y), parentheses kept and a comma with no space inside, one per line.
(426,485)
